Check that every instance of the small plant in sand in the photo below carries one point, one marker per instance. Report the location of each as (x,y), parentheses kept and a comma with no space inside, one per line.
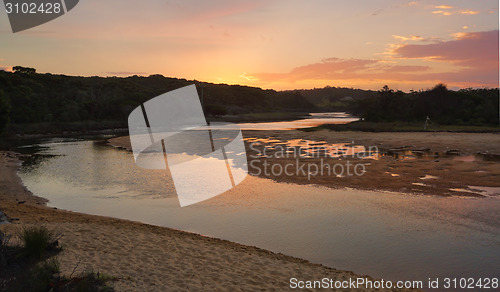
(42,276)
(90,281)
(37,239)
(4,249)
(38,278)
(46,277)
(4,239)
(27,268)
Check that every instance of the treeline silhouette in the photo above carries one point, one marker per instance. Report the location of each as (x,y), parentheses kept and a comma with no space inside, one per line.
(443,106)
(27,97)
(78,103)
(336,98)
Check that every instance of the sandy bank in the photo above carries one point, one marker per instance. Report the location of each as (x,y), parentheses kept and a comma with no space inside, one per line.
(151,258)
(450,175)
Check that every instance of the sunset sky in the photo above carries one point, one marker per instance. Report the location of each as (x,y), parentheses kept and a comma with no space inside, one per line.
(278,44)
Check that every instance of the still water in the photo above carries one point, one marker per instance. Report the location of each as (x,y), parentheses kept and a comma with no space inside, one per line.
(314,120)
(389,235)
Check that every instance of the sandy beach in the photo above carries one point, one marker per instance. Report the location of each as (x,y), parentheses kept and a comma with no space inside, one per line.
(150,258)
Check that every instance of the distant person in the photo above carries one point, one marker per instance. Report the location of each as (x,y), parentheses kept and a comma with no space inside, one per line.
(427,122)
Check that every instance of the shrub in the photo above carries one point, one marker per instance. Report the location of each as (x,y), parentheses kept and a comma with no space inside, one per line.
(40,278)
(91,282)
(4,239)
(35,240)
(4,249)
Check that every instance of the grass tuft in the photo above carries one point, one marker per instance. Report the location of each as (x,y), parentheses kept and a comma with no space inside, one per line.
(35,241)
(5,249)
(91,282)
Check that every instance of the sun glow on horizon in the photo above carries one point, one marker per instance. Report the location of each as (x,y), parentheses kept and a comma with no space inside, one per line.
(332,43)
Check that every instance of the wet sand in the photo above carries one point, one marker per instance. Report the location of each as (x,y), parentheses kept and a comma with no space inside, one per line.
(150,258)
(444,175)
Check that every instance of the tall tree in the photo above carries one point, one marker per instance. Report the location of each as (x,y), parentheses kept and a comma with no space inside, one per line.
(4,112)
(26,70)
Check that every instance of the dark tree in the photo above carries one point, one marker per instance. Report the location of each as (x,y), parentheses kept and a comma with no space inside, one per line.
(464,107)
(25,70)
(215,110)
(4,112)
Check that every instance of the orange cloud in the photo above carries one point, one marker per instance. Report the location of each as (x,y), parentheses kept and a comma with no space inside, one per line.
(474,56)
(336,68)
(410,38)
(475,49)
(448,12)
(469,12)
(247,77)
(406,69)
(443,7)
(476,53)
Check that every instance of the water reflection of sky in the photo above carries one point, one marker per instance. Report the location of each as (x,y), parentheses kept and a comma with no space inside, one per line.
(314,121)
(383,234)
(309,148)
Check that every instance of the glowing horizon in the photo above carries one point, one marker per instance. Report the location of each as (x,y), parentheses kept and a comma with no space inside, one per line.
(280,45)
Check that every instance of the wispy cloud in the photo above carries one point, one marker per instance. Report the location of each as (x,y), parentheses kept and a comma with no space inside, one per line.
(408,38)
(338,68)
(472,58)
(474,49)
(247,77)
(444,7)
(414,38)
(448,12)
(475,54)
(469,12)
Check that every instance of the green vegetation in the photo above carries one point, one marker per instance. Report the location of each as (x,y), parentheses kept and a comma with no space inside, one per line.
(45,103)
(87,102)
(4,112)
(5,250)
(45,277)
(24,70)
(405,127)
(39,278)
(35,240)
(276,116)
(335,99)
(30,268)
(466,107)
(89,282)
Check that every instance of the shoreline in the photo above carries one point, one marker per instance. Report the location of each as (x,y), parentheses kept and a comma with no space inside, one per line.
(148,257)
(444,175)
